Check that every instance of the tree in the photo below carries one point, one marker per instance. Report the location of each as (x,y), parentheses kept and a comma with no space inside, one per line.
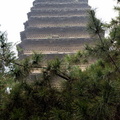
(6,55)
(97,29)
(92,94)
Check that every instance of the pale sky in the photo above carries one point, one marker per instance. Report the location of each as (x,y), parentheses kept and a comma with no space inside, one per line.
(13,13)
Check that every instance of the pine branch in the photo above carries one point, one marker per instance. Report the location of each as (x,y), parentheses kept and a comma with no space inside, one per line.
(96,27)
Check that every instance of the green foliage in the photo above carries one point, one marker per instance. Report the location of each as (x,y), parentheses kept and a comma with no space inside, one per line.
(94,24)
(36,59)
(92,94)
(54,65)
(77,58)
(107,48)
(6,55)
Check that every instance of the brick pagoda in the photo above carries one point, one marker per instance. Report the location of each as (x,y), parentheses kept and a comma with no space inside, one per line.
(55,28)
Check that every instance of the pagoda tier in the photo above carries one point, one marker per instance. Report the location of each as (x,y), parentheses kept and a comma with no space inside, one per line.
(56,21)
(53,32)
(55,27)
(58,12)
(56,46)
(59,6)
(59,1)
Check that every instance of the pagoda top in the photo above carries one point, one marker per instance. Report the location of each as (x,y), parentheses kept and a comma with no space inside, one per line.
(55,27)
(61,1)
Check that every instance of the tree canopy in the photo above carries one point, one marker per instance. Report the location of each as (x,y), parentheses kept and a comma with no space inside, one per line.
(90,94)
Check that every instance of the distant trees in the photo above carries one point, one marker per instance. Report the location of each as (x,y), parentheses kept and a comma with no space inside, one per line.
(6,55)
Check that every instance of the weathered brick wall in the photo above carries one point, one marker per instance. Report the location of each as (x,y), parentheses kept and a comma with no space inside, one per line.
(61,0)
(57,21)
(64,32)
(23,35)
(60,6)
(55,8)
(66,42)
(62,12)
(56,0)
(56,25)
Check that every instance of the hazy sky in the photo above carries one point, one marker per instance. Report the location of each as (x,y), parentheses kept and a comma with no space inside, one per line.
(13,13)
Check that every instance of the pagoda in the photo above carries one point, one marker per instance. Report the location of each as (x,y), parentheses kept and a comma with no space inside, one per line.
(55,28)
